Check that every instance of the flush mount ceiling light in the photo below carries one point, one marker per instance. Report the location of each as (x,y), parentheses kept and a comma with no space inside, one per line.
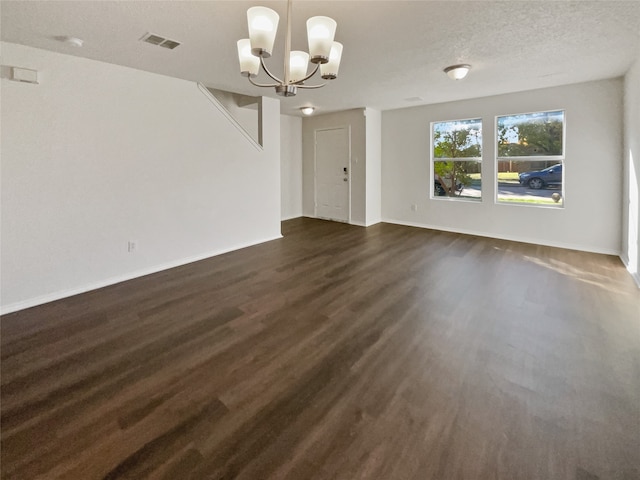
(324,53)
(73,41)
(457,72)
(307,110)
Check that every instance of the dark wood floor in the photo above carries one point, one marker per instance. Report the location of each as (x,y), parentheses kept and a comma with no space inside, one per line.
(338,352)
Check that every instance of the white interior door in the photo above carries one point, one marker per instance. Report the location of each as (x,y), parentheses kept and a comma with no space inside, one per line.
(332,174)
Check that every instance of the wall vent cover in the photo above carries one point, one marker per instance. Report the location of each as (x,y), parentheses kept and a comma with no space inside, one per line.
(154,39)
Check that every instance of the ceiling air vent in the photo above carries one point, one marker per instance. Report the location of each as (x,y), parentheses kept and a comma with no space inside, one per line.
(170,44)
(154,39)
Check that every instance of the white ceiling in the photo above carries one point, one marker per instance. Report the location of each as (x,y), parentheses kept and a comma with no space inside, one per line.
(393,50)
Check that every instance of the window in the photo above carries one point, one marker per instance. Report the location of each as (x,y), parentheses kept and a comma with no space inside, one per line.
(530,158)
(456,159)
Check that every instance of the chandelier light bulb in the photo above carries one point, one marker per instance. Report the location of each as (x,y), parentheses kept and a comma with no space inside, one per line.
(249,63)
(320,33)
(263,25)
(298,62)
(329,70)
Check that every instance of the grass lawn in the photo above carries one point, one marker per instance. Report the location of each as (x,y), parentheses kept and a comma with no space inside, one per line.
(507,177)
(535,201)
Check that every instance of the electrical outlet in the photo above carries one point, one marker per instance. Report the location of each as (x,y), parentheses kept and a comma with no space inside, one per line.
(414,207)
(132,246)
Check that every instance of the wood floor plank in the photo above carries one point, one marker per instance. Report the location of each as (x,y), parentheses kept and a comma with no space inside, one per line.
(336,352)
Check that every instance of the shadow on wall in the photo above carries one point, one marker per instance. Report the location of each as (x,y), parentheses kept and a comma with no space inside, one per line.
(244,109)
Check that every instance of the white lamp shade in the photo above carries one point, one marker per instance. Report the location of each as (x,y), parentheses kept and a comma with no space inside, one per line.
(307,110)
(320,32)
(263,25)
(457,72)
(249,63)
(329,70)
(298,62)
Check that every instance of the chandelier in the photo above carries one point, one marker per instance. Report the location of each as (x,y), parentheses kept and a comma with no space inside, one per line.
(324,53)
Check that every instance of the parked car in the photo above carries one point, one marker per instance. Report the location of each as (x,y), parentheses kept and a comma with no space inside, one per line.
(542,178)
(440,191)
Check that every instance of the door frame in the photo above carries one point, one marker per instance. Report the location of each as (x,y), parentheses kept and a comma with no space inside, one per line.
(315,169)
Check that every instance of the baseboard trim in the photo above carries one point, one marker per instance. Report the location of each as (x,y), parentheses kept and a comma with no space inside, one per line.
(512,238)
(51,297)
(348,222)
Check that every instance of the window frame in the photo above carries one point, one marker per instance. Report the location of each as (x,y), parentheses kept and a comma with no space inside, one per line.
(531,158)
(432,195)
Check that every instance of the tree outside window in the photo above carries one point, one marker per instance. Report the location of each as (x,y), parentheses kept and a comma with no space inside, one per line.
(456,159)
(530,157)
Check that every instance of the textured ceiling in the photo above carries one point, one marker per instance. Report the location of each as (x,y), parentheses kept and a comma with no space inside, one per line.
(393,50)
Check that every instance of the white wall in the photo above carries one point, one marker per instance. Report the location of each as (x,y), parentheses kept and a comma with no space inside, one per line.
(374,166)
(246,115)
(593,169)
(98,154)
(290,166)
(631,191)
(355,120)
